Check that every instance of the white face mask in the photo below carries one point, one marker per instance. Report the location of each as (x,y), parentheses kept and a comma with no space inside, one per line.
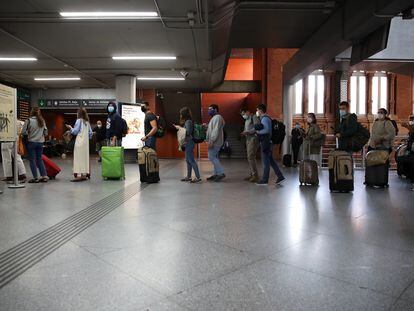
(258,114)
(411,122)
(310,120)
(381,116)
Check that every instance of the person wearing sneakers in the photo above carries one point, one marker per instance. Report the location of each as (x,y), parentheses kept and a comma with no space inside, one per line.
(264,133)
(186,120)
(252,143)
(35,129)
(215,140)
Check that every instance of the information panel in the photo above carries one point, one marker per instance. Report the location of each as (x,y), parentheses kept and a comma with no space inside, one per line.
(7,113)
(74,103)
(135,120)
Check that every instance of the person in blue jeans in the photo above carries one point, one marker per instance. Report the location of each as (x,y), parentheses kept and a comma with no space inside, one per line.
(264,133)
(215,140)
(150,127)
(187,121)
(35,129)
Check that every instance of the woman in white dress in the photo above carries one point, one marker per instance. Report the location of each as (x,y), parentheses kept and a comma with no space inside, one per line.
(83,132)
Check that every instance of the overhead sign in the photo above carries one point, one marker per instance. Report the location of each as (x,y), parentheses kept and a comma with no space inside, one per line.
(74,103)
(135,120)
(7,113)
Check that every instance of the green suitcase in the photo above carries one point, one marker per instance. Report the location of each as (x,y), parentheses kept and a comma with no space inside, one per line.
(113,163)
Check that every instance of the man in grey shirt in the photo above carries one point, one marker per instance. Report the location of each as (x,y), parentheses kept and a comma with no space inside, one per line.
(215,140)
(252,142)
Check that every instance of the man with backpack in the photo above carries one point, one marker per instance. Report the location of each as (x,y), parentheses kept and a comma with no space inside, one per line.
(115,126)
(150,127)
(252,143)
(352,136)
(215,140)
(266,132)
(383,132)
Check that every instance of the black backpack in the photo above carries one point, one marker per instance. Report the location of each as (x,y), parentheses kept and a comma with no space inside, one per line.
(395,126)
(124,127)
(161,124)
(278,132)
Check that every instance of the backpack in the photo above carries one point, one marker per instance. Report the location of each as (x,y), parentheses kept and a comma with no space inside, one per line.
(161,124)
(199,133)
(360,139)
(124,127)
(395,126)
(278,132)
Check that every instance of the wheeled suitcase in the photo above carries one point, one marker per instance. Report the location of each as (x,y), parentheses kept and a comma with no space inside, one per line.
(377,175)
(377,168)
(308,172)
(148,165)
(52,169)
(287,160)
(113,163)
(341,171)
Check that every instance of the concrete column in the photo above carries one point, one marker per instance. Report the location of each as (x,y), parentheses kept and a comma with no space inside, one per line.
(125,88)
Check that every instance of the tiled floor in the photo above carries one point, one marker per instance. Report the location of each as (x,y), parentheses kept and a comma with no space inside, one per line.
(215,246)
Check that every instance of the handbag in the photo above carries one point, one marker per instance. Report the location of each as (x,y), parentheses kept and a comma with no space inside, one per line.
(25,136)
(20,146)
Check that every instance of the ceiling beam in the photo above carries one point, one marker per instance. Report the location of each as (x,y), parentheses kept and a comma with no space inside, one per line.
(347,25)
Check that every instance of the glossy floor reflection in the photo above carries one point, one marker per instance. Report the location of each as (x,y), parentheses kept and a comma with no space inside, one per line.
(216,246)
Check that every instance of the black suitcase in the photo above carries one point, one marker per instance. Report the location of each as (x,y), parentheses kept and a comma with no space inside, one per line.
(377,176)
(341,163)
(148,165)
(147,178)
(287,160)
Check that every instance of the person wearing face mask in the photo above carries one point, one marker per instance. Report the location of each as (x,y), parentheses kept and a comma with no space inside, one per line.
(150,127)
(100,136)
(297,141)
(215,140)
(264,133)
(114,126)
(347,127)
(313,140)
(252,143)
(382,133)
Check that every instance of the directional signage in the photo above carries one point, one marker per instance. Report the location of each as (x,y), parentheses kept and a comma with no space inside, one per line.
(74,103)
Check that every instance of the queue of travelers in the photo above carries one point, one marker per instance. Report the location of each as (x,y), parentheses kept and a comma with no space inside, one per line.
(257,131)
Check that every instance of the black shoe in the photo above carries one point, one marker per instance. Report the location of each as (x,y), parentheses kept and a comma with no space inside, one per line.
(262,183)
(280,180)
(219,177)
(211,178)
(34,181)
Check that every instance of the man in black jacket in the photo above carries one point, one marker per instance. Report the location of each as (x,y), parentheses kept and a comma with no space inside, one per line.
(114,126)
(347,127)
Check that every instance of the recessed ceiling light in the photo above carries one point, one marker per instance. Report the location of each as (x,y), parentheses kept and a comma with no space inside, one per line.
(108,15)
(143,57)
(57,79)
(18,59)
(160,78)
